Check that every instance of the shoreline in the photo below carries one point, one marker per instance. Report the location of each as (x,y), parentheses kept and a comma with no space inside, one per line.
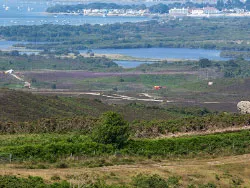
(247,14)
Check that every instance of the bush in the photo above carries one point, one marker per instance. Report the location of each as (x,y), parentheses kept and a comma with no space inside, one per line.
(55,178)
(154,181)
(62,165)
(111,129)
(30,182)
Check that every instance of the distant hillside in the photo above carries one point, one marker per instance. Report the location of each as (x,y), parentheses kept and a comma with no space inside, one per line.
(25,106)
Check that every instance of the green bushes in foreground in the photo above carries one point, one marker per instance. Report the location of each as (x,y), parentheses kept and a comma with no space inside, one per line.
(154,128)
(218,144)
(30,182)
(52,152)
(138,181)
(154,181)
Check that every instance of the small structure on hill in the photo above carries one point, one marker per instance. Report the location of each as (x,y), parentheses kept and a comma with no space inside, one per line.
(210,83)
(159,87)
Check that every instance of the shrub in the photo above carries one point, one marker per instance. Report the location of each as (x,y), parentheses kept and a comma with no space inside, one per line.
(111,129)
(147,181)
(208,185)
(30,182)
(62,165)
(55,178)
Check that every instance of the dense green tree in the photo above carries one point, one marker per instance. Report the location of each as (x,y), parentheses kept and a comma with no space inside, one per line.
(229,4)
(159,8)
(146,181)
(14,53)
(237,4)
(247,4)
(154,181)
(111,129)
(204,62)
(220,4)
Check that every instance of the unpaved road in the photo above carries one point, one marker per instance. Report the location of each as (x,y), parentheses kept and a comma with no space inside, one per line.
(190,170)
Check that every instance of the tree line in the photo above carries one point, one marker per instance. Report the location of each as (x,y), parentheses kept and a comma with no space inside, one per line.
(159,8)
(170,33)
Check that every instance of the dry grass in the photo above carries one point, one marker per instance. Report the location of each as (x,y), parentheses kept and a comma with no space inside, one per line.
(223,171)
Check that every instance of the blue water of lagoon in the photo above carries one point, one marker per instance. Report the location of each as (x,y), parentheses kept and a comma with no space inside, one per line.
(160,53)
(164,53)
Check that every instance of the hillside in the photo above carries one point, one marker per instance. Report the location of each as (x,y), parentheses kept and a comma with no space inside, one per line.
(25,106)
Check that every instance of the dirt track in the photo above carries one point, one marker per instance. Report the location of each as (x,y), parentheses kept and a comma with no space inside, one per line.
(191,170)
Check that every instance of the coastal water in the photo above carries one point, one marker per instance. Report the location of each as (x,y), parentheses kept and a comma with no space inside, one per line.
(4,45)
(14,12)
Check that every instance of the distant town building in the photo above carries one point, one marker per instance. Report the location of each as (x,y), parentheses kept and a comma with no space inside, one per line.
(178,12)
(197,11)
(239,11)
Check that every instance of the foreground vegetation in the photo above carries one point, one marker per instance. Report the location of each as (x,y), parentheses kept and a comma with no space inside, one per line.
(139,181)
(55,147)
(66,140)
(30,182)
(73,126)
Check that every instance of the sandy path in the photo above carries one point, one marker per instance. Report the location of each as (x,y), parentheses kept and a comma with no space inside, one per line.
(203,170)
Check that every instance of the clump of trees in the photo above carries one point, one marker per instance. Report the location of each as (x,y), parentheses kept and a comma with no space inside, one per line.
(159,8)
(232,68)
(204,62)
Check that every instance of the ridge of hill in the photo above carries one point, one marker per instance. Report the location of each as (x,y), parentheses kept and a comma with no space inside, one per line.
(25,106)
(19,106)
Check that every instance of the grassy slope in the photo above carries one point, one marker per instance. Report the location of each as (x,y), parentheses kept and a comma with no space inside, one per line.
(25,106)
(20,106)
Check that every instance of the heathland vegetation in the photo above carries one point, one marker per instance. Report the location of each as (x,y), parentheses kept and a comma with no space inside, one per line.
(83,133)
